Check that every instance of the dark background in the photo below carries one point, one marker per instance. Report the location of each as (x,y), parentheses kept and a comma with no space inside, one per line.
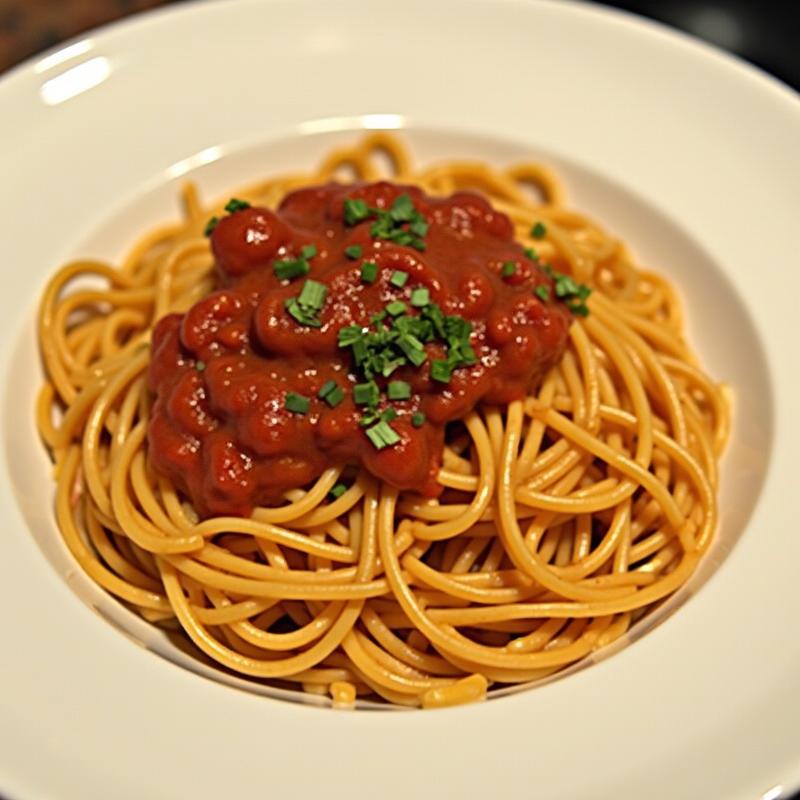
(765,33)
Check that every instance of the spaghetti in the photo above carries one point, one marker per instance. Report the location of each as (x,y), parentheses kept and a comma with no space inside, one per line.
(565,517)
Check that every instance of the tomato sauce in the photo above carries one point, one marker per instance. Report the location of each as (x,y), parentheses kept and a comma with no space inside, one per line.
(220,428)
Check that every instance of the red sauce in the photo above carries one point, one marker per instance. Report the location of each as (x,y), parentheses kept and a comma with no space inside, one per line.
(220,429)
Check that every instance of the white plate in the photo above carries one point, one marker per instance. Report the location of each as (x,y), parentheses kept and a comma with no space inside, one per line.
(688,154)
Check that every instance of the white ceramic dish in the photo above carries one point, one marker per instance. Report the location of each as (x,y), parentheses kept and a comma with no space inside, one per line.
(684,152)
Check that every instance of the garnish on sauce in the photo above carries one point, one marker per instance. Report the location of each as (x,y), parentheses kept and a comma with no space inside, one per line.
(350,326)
(402,223)
(232,206)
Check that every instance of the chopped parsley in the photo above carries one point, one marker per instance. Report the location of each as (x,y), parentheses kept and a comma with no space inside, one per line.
(385,345)
(508,269)
(403,209)
(313,294)
(579,307)
(366,394)
(335,397)
(331,393)
(382,435)
(354,251)
(288,269)
(327,388)
(338,491)
(297,403)
(542,292)
(539,231)
(355,211)
(396,338)
(401,224)
(441,370)
(418,419)
(396,307)
(306,306)
(566,288)
(398,390)
(369,271)
(234,204)
(420,297)
(372,415)
(304,316)
(388,414)
(399,278)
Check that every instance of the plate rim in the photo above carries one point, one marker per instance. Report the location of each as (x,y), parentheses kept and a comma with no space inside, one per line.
(177,12)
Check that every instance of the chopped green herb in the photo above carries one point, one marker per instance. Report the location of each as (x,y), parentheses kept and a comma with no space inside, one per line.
(366,394)
(405,238)
(418,226)
(399,278)
(391,224)
(312,295)
(565,286)
(338,491)
(305,306)
(467,354)
(210,226)
(369,271)
(199,365)
(355,211)
(418,419)
(234,204)
(542,292)
(296,403)
(360,351)
(382,435)
(327,388)
(388,414)
(388,367)
(581,309)
(383,226)
(395,338)
(441,370)
(531,254)
(288,269)
(396,307)
(291,268)
(570,291)
(435,316)
(413,349)
(350,334)
(335,397)
(402,209)
(508,269)
(398,390)
(304,316)
(538,231)
(420,297)
(354,251)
